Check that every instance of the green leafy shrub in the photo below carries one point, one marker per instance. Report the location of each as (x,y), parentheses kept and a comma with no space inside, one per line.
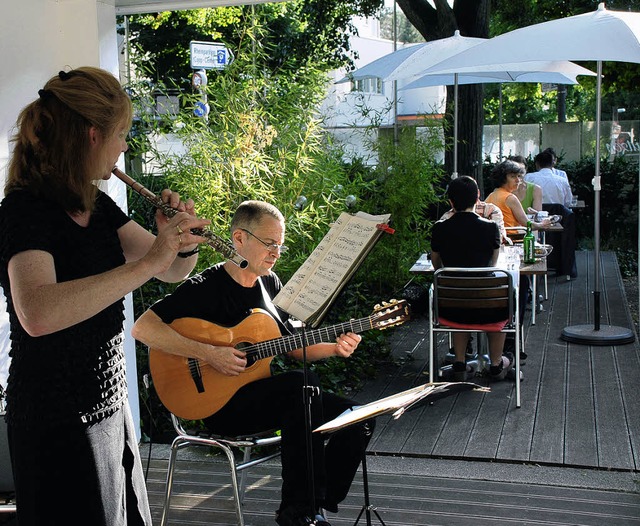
(264,140)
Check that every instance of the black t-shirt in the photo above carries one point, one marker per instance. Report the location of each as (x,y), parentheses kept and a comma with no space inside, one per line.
(214,296)
(465,240)
(76,374)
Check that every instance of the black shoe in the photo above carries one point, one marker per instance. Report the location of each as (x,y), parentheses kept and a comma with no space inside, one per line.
(510,348)
(321,520)
(297,516)
(500,371)
(459,371)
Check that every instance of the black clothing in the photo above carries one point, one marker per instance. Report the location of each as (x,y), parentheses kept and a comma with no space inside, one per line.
(213,295)
(90,473)
(74,367)
(68,388)
(275,402)
(467,240)
(563,256)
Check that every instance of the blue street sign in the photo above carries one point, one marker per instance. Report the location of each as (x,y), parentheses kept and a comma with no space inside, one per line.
(201,109)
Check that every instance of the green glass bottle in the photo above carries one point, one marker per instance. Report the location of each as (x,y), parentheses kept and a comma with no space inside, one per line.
(529,245)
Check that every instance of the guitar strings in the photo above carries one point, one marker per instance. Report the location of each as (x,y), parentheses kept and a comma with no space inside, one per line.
(295,341)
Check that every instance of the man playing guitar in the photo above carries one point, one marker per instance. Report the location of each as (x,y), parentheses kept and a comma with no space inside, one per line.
(226,294)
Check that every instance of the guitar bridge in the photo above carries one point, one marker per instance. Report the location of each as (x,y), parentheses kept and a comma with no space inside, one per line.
(196,374)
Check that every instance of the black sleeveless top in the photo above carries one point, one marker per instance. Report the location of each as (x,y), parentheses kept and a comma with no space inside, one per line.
(75,375)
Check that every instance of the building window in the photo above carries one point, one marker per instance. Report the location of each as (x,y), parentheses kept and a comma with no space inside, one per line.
(369,85)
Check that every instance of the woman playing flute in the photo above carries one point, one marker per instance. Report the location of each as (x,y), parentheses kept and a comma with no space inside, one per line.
(68,256)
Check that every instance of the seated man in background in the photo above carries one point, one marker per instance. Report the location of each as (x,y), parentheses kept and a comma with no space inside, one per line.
(468,240)
(555,188)
(556,199)
(555,170)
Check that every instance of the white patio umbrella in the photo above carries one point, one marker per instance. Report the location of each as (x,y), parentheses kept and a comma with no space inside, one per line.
(601,35)
(409,62)
(550,72)
(412,62)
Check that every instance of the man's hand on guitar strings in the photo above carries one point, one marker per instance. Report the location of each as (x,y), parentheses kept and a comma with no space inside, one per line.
(227,360)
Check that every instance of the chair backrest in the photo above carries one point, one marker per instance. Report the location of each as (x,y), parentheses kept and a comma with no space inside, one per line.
(473,288)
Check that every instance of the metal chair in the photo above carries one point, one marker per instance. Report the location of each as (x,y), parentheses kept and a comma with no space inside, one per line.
(515,233)
(227,445)
(474,288)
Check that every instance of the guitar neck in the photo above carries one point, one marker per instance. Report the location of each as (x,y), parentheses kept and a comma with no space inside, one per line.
(287,344)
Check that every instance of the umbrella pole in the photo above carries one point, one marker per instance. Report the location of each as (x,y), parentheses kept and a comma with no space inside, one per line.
(455,127)
(500,121)
(597,334)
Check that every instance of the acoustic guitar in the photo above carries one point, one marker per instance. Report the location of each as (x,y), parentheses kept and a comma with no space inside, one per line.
(192,389)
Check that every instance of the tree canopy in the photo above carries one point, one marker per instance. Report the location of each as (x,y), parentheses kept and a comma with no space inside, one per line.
(295,35)
(301,35)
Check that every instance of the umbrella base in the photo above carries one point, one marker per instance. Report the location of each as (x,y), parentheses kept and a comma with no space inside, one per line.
(606,335)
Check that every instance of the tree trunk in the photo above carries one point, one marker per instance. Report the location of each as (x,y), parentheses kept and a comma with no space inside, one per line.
(471,18)
(470,113)
(562,103)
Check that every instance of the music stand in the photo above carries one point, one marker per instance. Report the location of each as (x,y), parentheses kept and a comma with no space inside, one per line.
(310,292)
(397,404)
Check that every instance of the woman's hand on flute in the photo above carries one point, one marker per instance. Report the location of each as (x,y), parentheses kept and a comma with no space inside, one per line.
(173,200)
(186,240)
(174,235)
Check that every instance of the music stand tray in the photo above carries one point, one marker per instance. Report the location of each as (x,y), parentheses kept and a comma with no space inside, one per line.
(396,404)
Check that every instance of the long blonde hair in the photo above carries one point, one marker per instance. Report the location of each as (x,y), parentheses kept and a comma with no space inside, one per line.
(51,157)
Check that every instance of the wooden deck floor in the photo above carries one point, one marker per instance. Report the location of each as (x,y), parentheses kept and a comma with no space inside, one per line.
(579,402)
(569,456)
(402,496)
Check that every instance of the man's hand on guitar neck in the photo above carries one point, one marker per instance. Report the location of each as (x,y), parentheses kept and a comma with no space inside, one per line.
(346,344)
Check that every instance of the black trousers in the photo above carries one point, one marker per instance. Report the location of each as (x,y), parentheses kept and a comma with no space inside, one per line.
(277,402)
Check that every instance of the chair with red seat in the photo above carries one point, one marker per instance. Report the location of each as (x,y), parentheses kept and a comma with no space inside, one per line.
(474,289)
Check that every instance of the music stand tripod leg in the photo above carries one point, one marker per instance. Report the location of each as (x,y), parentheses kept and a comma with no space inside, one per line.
(367,508)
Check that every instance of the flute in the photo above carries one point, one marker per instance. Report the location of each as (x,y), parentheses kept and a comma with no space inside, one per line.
(216,242)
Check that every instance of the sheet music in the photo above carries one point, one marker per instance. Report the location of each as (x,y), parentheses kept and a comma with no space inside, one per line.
(327,269)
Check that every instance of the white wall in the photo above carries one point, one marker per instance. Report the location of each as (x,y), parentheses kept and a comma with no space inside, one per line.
(38,38)
(340,107)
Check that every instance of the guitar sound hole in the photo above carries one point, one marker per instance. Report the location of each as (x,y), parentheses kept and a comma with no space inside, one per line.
(251,359)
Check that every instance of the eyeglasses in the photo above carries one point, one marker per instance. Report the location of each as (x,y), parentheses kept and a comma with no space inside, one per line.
(273,247)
